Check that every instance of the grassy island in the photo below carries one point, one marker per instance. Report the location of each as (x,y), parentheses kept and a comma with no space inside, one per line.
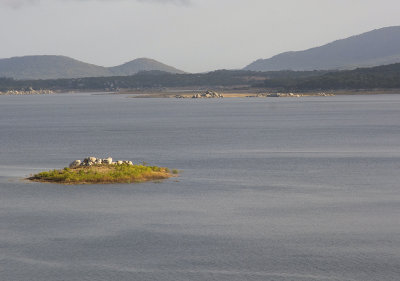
(104,174)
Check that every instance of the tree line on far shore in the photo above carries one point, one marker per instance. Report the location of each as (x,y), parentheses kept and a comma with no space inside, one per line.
(383,77)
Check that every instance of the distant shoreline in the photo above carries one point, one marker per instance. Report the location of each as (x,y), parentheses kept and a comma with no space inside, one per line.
(27,92)
(257,93)
(227,93)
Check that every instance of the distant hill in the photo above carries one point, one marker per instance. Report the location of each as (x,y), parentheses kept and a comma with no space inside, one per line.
(142,64)
(55,67)
(48,67)
(378,77)
(377,47)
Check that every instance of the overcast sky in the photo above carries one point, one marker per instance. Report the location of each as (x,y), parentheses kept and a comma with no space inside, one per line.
(193,35)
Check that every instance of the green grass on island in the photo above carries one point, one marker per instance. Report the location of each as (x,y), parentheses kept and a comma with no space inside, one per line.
(104,174)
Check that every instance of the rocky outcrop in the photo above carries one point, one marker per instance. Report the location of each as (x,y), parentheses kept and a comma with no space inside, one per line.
(91,161)
(292,95)
(207,95)
(28,91)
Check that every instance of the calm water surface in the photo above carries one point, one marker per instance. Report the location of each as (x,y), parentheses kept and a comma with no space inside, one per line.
(270,189)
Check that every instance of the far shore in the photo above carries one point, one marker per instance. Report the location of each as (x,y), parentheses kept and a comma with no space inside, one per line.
(27,92)
(250,93)
(226,93)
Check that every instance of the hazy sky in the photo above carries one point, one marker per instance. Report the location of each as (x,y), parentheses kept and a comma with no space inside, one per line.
(193,35)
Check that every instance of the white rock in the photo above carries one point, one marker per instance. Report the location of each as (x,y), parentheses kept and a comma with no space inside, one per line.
(108,161)
(75,164)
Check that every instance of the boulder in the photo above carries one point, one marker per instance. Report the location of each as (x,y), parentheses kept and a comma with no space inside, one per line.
(92,159)
(75,164)
(108,161)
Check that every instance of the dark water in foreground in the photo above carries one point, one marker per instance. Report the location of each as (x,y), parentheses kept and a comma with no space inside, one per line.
(271,189)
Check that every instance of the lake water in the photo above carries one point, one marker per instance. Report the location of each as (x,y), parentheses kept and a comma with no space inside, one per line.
(271,189)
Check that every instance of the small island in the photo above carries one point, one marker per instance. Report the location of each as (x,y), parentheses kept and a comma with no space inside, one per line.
(94,170)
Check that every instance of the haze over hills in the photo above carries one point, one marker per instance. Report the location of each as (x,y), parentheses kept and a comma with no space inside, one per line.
(54,67)
(377,47)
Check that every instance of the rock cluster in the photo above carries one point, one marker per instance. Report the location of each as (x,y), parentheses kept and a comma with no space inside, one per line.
(207,95)
(28,91)
(90,161)
(285,95)
(277,95)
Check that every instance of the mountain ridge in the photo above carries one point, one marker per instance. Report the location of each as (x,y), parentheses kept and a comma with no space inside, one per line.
(372,48)
(63,67)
